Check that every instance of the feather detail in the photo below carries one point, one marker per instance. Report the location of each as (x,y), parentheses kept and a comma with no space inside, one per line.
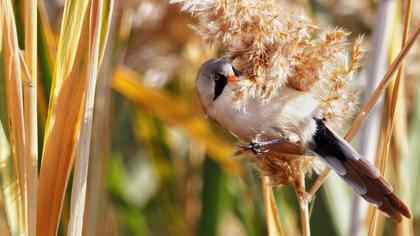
(362,176)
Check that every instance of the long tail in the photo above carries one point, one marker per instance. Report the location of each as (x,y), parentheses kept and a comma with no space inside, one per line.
(362,176)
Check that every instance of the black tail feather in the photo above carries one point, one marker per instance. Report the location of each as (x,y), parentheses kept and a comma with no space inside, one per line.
(362,176)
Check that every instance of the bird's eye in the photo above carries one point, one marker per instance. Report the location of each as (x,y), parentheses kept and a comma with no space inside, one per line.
(215,77)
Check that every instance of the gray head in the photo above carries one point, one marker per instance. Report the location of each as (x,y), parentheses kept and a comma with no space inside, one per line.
(212,78)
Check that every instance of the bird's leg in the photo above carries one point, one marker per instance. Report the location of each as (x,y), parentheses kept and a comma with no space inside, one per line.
(256,146)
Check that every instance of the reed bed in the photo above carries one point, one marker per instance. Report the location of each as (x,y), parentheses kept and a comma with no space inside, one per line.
(101,132)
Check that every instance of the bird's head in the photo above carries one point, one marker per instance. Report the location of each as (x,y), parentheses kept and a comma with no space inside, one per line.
(212,78)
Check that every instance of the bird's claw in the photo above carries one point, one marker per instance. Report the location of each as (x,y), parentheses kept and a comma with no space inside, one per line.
(255,147)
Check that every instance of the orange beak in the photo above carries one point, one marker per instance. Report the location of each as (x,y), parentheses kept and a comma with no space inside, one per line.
(231,79)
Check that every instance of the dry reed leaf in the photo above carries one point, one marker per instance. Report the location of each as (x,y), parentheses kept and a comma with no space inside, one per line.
(9,184)
(1,28)
(101,137)
(47,46)
(127,83)
(45,25)
(105,29)
(100,150)
(14,97)
(99,12)
(64,114)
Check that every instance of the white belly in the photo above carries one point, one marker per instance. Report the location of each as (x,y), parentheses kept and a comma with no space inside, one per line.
(289,114)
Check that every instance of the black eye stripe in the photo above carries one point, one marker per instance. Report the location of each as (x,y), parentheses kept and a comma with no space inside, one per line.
(219,86)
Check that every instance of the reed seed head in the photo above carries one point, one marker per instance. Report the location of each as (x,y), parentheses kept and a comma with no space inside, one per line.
(274,44)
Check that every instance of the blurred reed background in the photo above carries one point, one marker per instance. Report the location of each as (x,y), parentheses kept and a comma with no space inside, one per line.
(109,85)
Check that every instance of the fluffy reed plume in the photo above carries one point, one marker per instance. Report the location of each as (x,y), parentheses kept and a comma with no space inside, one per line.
(274,44)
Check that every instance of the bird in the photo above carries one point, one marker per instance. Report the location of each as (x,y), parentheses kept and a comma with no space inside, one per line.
(291,119)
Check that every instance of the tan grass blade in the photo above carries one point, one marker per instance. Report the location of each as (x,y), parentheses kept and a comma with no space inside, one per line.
(1,28)
(30,112)
(14,97)
(64,114)
(100,150)
(9,185)
(127,82)
(99,13)
(385,19)
(47,39)
(395,88)
(46,26)
(4,226)
(95,205)
(6,174)
(382,159)
(384,83)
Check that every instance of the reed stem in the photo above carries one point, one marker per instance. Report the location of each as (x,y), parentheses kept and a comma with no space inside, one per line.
(389,126)
(31,113)
(304,215)
(271,213)
(371,102)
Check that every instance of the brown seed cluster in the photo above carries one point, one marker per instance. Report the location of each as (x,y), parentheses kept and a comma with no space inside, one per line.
(285,169)
(274,44)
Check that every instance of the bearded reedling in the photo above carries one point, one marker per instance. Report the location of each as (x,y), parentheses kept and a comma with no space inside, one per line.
(290,123)
(283,88)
